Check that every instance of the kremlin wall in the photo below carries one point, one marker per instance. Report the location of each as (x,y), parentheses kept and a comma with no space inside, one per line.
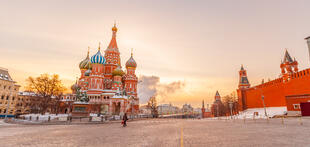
(292,84)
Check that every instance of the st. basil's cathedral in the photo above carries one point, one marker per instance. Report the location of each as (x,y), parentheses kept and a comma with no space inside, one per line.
(107,88)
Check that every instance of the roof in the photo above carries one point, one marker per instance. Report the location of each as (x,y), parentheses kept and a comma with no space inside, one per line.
(287,57)
(242,67)
(244,80)
(113,44)
(217,93)
(4,74)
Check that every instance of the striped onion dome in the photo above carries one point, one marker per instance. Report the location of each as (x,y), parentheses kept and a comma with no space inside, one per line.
(131,62)
(98,58)
(85,64)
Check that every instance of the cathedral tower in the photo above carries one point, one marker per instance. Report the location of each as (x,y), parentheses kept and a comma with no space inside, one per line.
(96,76)
(130,78)
(112,54)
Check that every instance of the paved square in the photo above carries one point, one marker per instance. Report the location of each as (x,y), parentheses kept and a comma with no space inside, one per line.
(162,132)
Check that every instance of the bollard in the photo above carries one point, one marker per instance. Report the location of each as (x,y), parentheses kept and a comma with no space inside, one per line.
(282,120)
(30,118)
(254,118)
(244,119)
(49,118)
(101,118)
(90,118)
(38,118)
(300,121)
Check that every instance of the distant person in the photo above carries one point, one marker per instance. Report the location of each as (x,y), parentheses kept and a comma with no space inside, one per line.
(125,120)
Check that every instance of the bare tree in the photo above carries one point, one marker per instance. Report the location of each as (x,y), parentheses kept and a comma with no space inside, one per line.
(152,104)
(46,87)
(231,98)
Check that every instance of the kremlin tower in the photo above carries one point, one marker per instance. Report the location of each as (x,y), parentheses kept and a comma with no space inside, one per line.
(243,79)
(108,88)
(288,67)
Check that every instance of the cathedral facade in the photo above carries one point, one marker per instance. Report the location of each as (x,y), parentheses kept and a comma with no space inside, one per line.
(107,88)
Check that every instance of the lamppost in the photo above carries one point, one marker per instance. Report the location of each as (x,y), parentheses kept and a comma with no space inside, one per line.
(230,106)
(263,98)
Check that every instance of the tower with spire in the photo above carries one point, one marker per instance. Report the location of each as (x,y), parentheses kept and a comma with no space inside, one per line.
(243,79)
(217,108)
(112,54)
(288,66)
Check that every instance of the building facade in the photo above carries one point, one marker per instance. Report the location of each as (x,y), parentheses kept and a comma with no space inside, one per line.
(187,108)
(109,89)
(9,94)
(292,82)
(167,109)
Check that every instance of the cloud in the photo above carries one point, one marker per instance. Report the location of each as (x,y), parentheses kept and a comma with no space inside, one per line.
(150,86)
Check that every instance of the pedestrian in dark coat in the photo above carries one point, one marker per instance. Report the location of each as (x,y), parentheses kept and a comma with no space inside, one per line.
(125,120)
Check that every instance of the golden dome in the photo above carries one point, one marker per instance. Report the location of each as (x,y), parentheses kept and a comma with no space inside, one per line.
(118,72)
(114,29)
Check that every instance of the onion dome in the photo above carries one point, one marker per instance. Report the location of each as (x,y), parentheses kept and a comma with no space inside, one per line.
(85,64)
(118,72)
(75,86)
(98,58)
(87,72)
(131,62)
(114,29)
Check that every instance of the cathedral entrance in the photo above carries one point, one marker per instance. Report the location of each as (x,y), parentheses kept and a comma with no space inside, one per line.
(117,108)
(104,109)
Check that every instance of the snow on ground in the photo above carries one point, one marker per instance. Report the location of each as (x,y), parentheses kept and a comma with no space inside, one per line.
(271,112)
(44,117)
(248,114)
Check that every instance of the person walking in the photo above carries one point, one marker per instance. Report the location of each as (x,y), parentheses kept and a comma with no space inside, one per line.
(125,120)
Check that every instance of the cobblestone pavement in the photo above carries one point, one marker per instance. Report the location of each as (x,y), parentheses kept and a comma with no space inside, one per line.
(162,132)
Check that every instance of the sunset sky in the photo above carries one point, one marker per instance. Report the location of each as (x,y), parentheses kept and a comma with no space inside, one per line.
(197,44)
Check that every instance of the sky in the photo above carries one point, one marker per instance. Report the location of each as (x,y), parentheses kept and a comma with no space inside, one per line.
(197,47)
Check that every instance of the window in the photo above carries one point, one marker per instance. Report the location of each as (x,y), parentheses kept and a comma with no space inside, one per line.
(7,97)
(2,97)
(296,106)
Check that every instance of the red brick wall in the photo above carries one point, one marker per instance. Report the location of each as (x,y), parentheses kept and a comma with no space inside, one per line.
(295,100)
(276,90)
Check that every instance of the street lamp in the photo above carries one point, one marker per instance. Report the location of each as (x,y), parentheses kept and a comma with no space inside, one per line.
(263,98)
(230,106)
